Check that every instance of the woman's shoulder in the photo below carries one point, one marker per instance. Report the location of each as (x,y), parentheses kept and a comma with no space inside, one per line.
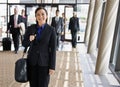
(32,26)
(51,28)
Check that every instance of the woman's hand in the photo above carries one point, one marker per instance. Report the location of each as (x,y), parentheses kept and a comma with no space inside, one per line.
(51,71)
(32,37)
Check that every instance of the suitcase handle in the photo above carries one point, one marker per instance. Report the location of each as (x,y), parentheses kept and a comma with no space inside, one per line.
(8,34)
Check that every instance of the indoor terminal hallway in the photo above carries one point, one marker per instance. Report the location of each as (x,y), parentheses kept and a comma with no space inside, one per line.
(74,68)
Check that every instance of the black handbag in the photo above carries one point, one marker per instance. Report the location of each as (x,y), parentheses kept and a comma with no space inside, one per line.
(21,70)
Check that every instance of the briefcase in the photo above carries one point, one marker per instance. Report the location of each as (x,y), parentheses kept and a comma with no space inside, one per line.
(21,74)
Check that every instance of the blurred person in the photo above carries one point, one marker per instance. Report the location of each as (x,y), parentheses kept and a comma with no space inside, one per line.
(42,52)
(64,18)
(64,21)
(58,24)
(24,18)
(74,28)
(25,24)
(14,28)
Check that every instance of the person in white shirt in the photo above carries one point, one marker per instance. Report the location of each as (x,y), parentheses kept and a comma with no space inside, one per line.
(14,28)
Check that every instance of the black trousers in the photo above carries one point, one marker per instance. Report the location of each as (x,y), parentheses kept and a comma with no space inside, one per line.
(74,39)
(38,76)
(58,39)
(15,37)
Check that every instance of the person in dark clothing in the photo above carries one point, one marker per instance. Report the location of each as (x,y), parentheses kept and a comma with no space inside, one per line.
(58,24)
(42,52)
(64,24)
(24,18)
(14,28)
(74,28)
(25,23)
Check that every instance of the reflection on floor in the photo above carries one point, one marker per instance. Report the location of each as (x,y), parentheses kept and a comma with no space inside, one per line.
(64,46)
(76,69)
(87,63)
(68,72)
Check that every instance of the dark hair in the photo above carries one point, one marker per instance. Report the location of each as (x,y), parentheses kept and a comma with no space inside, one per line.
(41,8)
(57,10)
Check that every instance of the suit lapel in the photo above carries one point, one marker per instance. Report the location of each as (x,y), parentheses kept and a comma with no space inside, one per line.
(54,21)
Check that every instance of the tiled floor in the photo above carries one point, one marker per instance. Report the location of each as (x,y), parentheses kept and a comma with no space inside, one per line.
(75,69)
(68,72)
(87,63)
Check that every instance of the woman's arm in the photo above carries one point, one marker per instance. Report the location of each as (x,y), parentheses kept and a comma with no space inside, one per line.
(52,45)
(29,36)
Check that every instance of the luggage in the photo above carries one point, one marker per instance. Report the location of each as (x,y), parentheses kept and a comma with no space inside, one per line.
(6,42)
(21,72)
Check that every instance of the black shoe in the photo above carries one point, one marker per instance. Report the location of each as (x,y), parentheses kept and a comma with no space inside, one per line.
(16,52)
(74,46)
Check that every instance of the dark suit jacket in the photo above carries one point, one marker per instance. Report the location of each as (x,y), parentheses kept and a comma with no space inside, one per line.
(74,24)
(24,19)
(11,24)
(42,52)
(58,25)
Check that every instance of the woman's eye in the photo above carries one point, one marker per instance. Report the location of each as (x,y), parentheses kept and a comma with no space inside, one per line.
(37,15)
(42,14)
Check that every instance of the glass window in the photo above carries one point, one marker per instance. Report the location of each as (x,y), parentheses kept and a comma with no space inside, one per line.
(57,1)
(82,12)
(21,1)
(46,1)
(13,1)
(3,1)
(83,1)
(68,15)
(28,1)
(67,1)
(3,19)
(31,15)
(20,7)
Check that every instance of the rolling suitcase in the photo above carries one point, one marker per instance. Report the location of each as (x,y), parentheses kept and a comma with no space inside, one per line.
(6,42)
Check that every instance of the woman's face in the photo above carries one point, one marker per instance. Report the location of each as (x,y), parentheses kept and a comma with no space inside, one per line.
(41,17)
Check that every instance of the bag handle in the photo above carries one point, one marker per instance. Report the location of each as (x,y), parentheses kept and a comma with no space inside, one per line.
(25,50)
(8,34)
(23,55)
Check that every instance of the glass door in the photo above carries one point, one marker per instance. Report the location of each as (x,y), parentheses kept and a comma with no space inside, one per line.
(30,12)
(82,12)
(68,15)
(3,20)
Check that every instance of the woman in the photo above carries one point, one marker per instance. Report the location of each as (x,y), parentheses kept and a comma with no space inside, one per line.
(42,52)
